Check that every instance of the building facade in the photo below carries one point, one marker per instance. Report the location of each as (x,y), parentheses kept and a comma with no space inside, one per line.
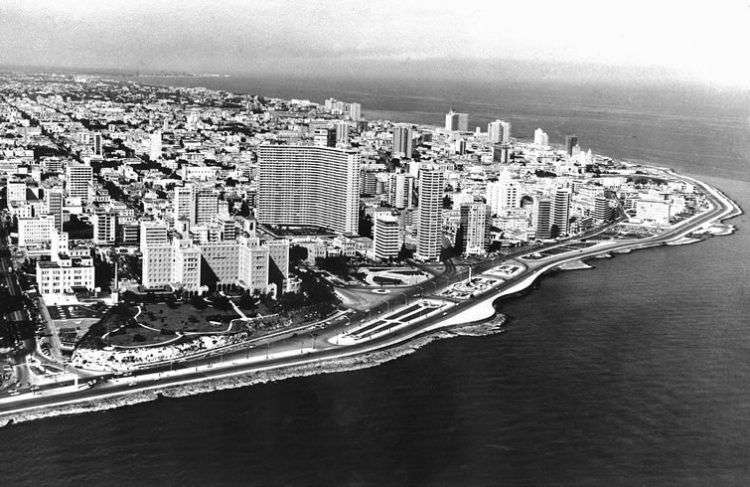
(429,229)
(308,186)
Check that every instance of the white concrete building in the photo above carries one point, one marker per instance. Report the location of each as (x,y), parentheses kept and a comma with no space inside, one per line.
(78,181)
(476,221)
(503,194)
(105,227)
(386,236)
(308,186)
(35,231)
(54,279)
(429,229)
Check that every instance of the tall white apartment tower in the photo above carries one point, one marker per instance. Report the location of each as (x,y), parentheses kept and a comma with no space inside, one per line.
(308,186)
(183,207)
(503,194)
(561,212)
(541,217)
(506,131)
(457,121)
(495,131)
(206,206)
(429,229)
(541,138)
(55,202)
(401,191)
(155,146)
(78,179)
(355,111)
(386,234)
(402,145)
(156,268)
(476,222)
(105,225)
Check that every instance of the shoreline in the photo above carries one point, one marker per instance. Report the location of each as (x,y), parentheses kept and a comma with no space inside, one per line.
(365,355)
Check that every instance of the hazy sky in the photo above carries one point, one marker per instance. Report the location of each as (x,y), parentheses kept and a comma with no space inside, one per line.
(703,40)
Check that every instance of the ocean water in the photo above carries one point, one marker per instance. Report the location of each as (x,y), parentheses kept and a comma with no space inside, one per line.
(632,373)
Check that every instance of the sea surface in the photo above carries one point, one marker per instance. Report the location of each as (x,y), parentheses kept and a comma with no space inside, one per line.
(636,372)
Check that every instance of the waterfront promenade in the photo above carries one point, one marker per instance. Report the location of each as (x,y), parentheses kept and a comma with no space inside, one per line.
(291,356)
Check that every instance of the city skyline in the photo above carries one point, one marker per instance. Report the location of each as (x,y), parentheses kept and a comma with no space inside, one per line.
(700,42)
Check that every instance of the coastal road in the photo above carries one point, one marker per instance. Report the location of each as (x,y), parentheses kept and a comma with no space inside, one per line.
(325,351)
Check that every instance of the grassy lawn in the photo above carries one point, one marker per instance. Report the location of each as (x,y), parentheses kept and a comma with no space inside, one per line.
(161,322)
(186,318)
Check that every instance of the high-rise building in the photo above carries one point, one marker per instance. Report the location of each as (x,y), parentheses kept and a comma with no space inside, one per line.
(542,217)
(457,121)
(560,213)
(386,234)
(206,206)
(221,263)
(503,194)
(308,186)
(430,227)
(602,210)
(402,140)
(253,266)
(78,180)
(228,229)
(401,191)
(15,190)
(192,120)
(475,225)
(156,265)
(105,228)
(155,146)
(541,138)
(34,231)
(129,233)
(368,182)
(278,262)
(342,129)
(55,202)
(495,132)
(571,141)
(506,132)
(459,146)
(355,111)
(153,233)
(498,132)
(183,205)
(500,153)
(97,144)
(186,265)
(324,137)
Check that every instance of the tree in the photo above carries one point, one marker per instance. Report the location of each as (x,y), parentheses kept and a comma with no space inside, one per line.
(247,302)
(297,254)
(405,253)
(244,209)
(365,224)
(447,202)
(495,246)
(336,264)
(221,302)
